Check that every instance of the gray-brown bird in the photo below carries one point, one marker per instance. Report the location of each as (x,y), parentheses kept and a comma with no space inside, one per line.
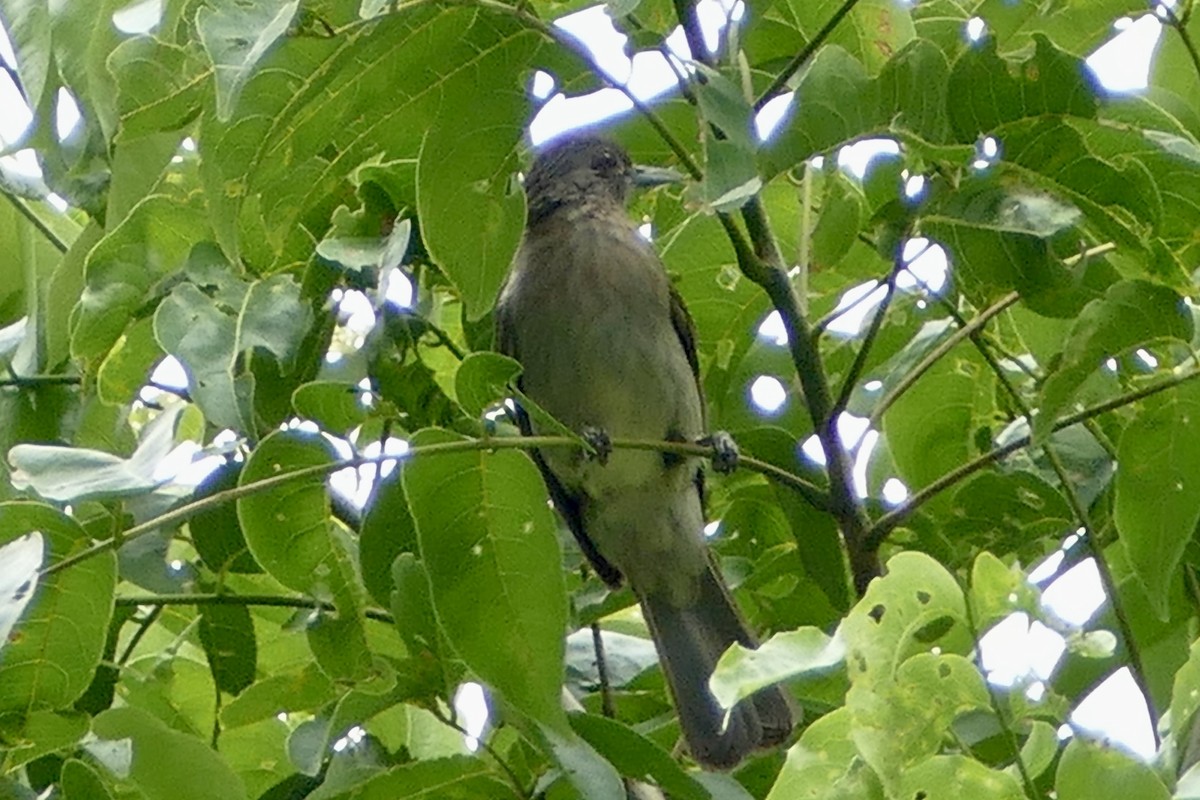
(608,348)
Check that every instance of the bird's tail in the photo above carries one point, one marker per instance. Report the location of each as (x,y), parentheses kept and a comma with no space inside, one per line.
(689,640)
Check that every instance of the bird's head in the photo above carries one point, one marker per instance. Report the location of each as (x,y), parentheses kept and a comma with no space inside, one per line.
(585,170)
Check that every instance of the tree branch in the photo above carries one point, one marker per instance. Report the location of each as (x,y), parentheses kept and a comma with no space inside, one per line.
(809,491)
(276,601)
(685,12)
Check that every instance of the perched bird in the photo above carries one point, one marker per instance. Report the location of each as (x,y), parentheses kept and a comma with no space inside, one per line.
(608,348)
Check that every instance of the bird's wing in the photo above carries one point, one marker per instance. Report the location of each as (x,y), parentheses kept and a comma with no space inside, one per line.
(685,329)
(569,504)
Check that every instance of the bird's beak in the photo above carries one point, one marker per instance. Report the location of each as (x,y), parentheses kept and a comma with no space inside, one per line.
(655,176)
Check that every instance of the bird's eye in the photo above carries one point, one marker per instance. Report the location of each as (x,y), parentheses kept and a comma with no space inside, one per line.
(605,162)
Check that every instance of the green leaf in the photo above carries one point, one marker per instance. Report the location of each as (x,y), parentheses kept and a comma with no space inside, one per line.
(289,531)
(337,407)
(483,379)
(930,428)
(457,778)
(998,590)
(872,32)
(236,36)
(730,175)
(1076,26)
(825,763)
(41,732)
(412,606)
(742,671)
(834,103)
(1173,69)
(999,236)
(216,532)
(1130,313)
(160,85)
(49,657)
(487,540)
(987,94)
(300,690)
(227,634)
(74,474)
(80,782)
(952,777)
(1090,771)
(723,105)
(884,629)
(210,333)
(837,228)
(1158,488)
(126,368)
(122,269)
(162,762)
(635,756)
(900,723)
(472,213)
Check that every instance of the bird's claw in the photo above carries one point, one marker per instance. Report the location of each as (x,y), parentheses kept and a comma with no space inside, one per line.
(724,451)
(600,443)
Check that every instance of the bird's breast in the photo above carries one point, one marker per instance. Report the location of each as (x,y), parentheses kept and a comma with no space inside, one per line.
(590,307)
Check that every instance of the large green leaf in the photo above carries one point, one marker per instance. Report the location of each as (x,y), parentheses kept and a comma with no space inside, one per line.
(1130,313)
(1158,488)
(122,269)
(49,657)
(236,36)
(318,107)
(163,763)
(210,324)
(487,540)
(289,530)
(825,763)
(1090,771)
(931,428)
(986,94)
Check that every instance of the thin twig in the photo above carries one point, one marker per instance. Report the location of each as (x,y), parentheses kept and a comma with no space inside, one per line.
(487,748)
(864,350)
(143,626)
(24,210)
(276,601)
(606,700)
(685,12)
(1180,27)
(890,521)
(809,491)
(934,355)
(820,326)
(1009,734)
(34,381)
(780,83)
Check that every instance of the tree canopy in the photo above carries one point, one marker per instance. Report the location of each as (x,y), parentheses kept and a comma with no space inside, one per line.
(244,176)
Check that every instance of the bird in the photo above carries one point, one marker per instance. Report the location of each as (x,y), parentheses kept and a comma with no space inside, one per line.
(608,348)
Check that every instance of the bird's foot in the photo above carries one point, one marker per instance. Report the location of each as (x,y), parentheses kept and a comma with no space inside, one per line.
(600,443)
(724,451)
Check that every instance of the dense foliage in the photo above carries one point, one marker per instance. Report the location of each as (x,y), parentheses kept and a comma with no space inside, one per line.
(244,173)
